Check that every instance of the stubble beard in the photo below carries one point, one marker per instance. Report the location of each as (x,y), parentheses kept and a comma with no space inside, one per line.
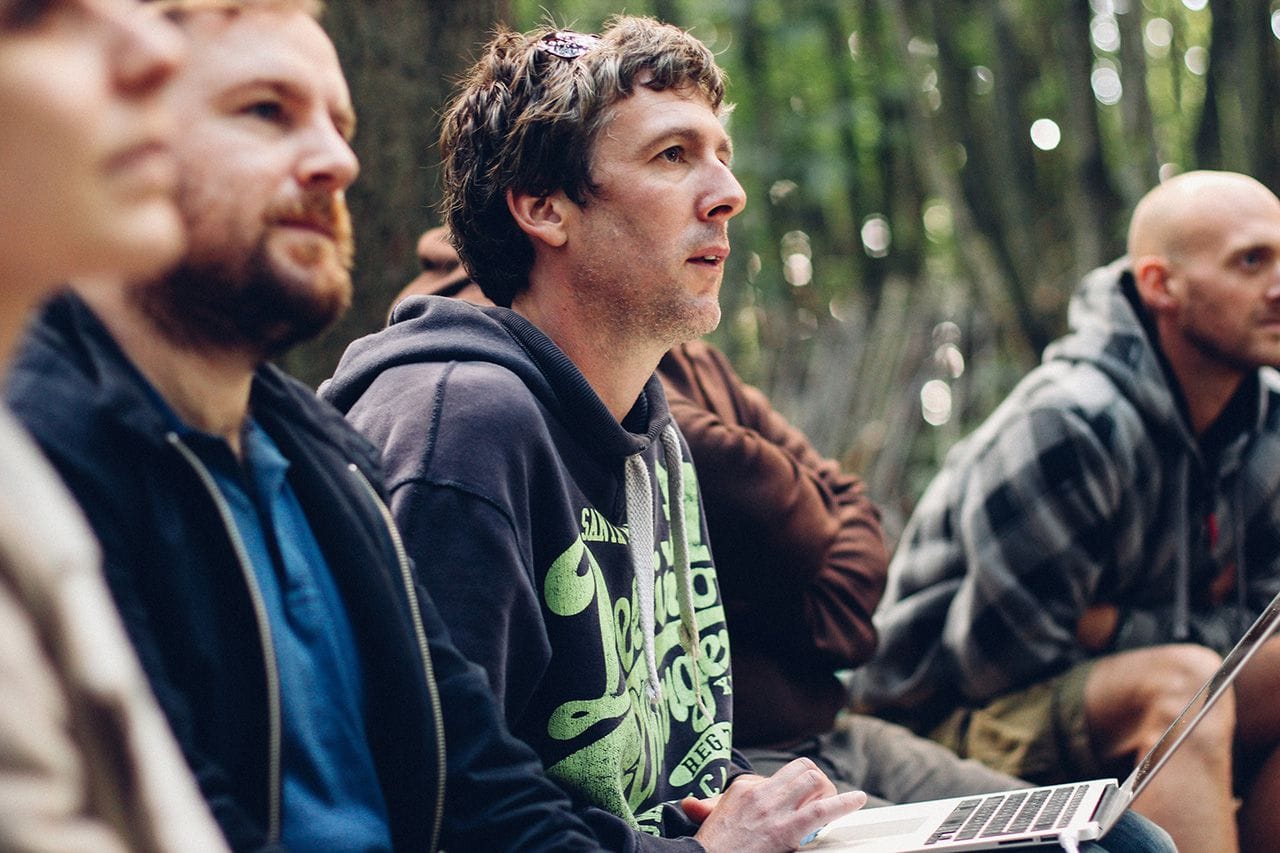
(1239,362)
(641,309)
(256,304)
(1243,355)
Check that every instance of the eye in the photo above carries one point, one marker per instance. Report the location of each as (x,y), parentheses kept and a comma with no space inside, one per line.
(1253,259)
(21,14)
(674,154)
(267,110)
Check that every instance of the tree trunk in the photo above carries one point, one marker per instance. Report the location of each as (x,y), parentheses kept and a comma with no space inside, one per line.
(1135,106)
(978,236)
(400,57)
(871,271)
(1096,211)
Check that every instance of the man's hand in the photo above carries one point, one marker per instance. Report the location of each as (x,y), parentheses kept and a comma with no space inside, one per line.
(759,815)
(1097,626)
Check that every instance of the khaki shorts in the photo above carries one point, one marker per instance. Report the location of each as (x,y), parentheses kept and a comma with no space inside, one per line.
(1037,733)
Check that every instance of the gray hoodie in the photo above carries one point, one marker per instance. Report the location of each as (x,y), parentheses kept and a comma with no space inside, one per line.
(1085,486)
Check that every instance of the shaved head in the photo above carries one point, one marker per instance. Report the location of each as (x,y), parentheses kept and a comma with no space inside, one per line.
(1190,211)
(1204,249)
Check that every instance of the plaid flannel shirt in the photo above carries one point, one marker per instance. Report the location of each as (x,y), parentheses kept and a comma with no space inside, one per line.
(1084,486)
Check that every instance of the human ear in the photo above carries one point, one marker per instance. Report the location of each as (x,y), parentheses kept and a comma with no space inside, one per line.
(1153,277)
(542,217)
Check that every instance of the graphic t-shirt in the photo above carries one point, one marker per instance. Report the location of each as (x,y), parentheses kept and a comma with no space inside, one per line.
(605,738)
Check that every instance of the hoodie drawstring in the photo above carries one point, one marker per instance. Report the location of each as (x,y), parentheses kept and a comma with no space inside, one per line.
(640,521)
(1238,525)
(689,634)
(1182,581)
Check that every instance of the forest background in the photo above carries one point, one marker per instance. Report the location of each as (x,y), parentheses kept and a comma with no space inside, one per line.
(927,181)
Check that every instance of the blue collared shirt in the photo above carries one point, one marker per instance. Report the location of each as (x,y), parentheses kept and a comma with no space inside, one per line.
(332,797)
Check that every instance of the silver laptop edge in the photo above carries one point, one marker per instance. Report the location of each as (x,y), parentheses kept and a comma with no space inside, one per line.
(1200,704)
(1116,799)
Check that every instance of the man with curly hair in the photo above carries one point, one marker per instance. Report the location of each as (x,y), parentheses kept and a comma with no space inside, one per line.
(544,491)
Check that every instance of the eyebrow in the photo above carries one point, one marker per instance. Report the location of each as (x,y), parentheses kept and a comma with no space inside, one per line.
(1248,248)
(689,134)
(1250,239)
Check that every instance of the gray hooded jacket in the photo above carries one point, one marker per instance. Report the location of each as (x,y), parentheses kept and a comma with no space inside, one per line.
(1085,486)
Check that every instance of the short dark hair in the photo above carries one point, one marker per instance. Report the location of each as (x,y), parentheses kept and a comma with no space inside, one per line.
(526,118)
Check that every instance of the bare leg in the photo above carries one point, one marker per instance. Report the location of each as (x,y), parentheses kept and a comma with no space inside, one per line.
(1130,699)
(1258,727)
(1259,821)
(1258,712)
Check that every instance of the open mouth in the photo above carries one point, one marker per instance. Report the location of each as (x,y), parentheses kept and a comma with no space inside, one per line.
(710,259)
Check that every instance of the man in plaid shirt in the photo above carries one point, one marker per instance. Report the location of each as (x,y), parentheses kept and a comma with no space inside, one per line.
(1083,560)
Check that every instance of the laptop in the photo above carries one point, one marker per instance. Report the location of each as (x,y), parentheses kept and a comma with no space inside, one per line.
(1054,814)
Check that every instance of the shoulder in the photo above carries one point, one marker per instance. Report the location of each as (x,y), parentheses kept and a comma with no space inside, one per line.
(294,403)
(453,395)
(94,435)
(485,405)
(698,372)
(52,385)
(1060,400)
(1063,424)
(453,421)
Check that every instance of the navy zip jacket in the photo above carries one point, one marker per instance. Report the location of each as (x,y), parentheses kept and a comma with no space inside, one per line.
(173,566)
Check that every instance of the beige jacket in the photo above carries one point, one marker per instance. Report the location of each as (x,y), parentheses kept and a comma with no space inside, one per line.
(87,762)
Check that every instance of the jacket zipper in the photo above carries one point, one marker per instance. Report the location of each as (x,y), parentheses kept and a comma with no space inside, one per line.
(264,634)
(420,633)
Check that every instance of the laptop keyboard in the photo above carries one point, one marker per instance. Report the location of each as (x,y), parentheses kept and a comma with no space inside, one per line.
(1033,810)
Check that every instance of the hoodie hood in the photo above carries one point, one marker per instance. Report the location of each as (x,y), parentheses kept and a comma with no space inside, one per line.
(1107,331)
(438,329)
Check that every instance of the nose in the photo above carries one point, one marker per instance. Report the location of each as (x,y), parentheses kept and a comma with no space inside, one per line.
(1272,293)
(146,48)
(726,197)
(329,162)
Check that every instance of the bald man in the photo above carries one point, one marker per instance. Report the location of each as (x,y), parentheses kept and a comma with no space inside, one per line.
(1083,559)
